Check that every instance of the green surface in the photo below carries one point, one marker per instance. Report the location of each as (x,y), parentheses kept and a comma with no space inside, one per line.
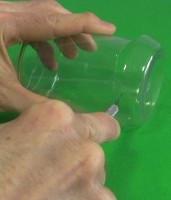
(139,162)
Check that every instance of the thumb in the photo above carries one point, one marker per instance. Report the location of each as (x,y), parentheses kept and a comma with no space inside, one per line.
(99,127)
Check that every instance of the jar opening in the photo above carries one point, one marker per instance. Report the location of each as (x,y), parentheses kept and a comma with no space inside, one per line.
(152,83)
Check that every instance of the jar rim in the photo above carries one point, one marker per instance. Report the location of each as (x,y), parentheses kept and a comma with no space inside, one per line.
(141,75)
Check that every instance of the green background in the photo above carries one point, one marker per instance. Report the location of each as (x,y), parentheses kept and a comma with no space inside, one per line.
(139,162)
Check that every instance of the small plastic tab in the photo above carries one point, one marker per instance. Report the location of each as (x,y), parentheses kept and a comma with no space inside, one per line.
(112,110)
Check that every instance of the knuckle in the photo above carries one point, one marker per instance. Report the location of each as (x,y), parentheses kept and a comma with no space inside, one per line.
(52,110)
(58,109)
(89,15)
(96,159)
(8,25)
(53,104)
(90,129)
(53,18)
(92,164)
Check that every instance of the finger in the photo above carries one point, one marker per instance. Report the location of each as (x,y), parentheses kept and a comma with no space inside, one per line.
(73,24)
(67,47)
(103,193)
(33,27)
(85,42)
(46,54)
(99,127)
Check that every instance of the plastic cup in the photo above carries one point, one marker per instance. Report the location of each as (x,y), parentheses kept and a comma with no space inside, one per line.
(127,73)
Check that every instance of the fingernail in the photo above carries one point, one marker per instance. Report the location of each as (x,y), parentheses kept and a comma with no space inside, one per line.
(108,24)
(118,129)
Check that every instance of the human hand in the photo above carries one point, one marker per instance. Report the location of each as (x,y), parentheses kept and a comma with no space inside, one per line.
(50,152)
(35,22)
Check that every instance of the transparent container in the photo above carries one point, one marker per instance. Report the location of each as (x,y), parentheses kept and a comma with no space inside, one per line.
(123,72)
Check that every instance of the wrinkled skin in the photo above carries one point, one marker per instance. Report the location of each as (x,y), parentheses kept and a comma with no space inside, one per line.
(54,155)
(49,152)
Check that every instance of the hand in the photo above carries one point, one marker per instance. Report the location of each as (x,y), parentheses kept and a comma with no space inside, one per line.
(35,22)
(46,19)
(51,153)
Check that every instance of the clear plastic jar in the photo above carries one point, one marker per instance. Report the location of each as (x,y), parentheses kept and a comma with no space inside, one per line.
(123,72)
